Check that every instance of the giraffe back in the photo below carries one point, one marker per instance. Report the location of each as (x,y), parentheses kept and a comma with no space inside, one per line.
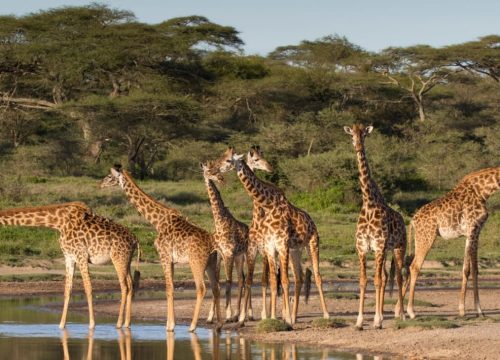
(99,239)
(180,240)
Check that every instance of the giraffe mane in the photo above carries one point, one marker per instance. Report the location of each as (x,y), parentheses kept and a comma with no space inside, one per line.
(79,204)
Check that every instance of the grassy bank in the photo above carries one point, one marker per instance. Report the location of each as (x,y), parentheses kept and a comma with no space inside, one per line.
(18,244)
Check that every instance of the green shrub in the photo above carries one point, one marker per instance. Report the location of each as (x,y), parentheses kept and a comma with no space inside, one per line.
(328,323)
(426,322)
(272,325)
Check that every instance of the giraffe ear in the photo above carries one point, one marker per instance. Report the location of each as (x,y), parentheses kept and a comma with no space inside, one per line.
(369,129)
(348,130)
(237,157)
(115,172)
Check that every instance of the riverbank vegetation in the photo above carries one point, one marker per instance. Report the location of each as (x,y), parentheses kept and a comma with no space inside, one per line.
(82,88)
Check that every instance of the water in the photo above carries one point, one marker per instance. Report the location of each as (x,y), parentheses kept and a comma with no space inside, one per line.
(29,331)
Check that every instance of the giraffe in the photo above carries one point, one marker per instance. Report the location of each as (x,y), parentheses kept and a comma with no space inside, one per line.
(178,241)
(254,161)
(230,236)
(84,238)
(461,212)
(277,226)
(379,228)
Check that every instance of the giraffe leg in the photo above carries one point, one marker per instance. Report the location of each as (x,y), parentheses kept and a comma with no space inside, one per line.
(198,275)
(241,283)
(251,253)
(362,289)
(399,260)
(475,271)
(228,267)
(274,286)
(383,285)
(130,293)
(87,286)
(314,253)
(264,285)
(295,255)
(211,271)
(70,271)
(422,247)
(122,278)
(379,306)
(211,314)
(284,257)
(168,269)
(465,276)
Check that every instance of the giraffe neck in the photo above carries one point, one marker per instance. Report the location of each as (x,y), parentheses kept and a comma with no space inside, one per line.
(217,204)
(484,182)
(369,189)
(151,209)
(260,191)
(52,216)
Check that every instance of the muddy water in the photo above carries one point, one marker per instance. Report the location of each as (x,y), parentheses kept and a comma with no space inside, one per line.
(29,331)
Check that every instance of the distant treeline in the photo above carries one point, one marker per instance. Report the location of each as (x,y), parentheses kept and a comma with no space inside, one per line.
(82,88)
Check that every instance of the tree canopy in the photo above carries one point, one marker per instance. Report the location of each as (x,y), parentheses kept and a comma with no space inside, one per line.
(98,86)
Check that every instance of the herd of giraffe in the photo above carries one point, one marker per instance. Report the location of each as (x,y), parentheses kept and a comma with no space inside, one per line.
(277,228)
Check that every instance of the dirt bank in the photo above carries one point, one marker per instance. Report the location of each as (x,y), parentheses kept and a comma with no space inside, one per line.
(473,339)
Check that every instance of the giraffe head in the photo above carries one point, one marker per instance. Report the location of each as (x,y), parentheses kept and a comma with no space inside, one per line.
(255,160)
(226,161)
(115,178)
(210,172)
(358,133)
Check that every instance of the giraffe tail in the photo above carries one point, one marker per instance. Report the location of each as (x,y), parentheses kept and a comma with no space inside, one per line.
(137,273)
(307,284)
(278,281)
(409,258)
(392,275)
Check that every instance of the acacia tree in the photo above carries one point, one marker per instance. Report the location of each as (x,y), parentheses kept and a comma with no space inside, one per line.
(140,125)
(477,57)
(54,59)
(416,70)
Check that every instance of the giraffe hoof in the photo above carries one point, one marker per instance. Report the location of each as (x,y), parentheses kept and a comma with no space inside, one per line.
(251,318)
(192,328)
(210,321)
(239,325)
(359,327)
(218,327)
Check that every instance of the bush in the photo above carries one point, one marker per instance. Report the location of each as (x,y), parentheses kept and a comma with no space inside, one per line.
(328,323)
(272,325)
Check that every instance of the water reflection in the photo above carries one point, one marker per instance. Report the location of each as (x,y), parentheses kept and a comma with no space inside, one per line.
(28,333)
(216,346)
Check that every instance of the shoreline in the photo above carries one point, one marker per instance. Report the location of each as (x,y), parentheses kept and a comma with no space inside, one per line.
(474,338)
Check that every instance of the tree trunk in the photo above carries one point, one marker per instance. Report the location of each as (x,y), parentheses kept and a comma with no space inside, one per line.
(419,103)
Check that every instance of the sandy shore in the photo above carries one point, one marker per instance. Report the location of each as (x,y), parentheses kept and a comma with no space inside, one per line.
(474,339)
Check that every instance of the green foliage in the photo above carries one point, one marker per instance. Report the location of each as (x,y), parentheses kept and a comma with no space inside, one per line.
(343,295)
(82,88)
(426,322)
(328,323)
(272,325)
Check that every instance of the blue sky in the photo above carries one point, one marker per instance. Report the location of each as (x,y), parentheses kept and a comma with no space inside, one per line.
(264,25)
